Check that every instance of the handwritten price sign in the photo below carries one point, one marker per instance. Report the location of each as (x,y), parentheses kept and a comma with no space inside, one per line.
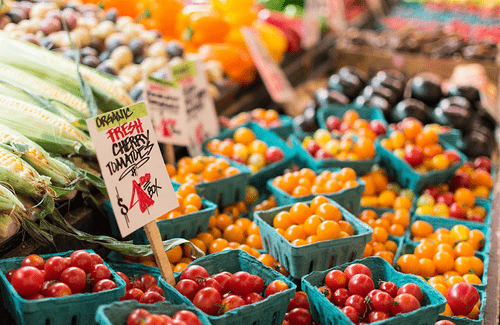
(132,166)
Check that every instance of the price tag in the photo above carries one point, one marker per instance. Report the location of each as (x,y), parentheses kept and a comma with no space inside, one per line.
(132,167)
(312,32)
(183,110)
(274,78)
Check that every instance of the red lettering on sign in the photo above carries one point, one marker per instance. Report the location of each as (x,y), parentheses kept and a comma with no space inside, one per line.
(167,124)
(144,200)
(121,131)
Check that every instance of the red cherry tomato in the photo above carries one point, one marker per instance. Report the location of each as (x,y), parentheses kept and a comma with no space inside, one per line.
(151,297)
(148,280)
(155,288)
(299,301)
(389,287)
(340,296)
(381,301)
(187,288)
(103,285)
(210,282)
(133,294)
(232,302)
(208,300)
(187,317)
(223,280)
(128,284)
(27,280)
(462,297)
(357,268)
(138,284)
(9,274)
(275,287)
(241,283)
(405,303)
(45,286)
(58,290)
(55,266)
(34,260)
(194,272)
(360,284)
(135,316)
(376,315)
(252,298)
(99,272)
(358,303)
(36,296)
(81,259)
(95,259)
(75,278)
(412,289)
(444,322)
(326,292)
(336,279)
(351,313)
(299,316)
(258,284)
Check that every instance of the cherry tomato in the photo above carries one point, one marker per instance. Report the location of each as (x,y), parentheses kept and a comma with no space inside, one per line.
(133,294)
(358,303)
(45,286)
(54,267)
(81,259)
(151,297)
(27,280)
(135,316)
(128,284)
(152,319)
(148,280)
(299,301)
(299,316)
(103,285)
(444,322)
(176,322)
(275,287)
(405,303)
(138,284)
(336,279)
(58,290)
(412,289)
(360,284)
(223,281)
(188,288)
(351,313)
(9,274)
(99,272)
(376,315)
(155,288)
(232,302)
(340,296)
(381,301)
(252,298)
(210,282)
(194,272)
(241,283)
(389,287)
(34,260)
(357,268)
(95,259)
(75,278)
(36,296)
(187,317)
(208,300)
(462,297)
(258,284)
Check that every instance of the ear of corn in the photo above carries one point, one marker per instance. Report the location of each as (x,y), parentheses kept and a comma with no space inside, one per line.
(51,132)
(20,78)
(36,156)
(8,201)
(61,72)
(23,178)
(58,108)
(9,226)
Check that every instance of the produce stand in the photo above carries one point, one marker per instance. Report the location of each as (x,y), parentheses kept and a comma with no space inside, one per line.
(202,193)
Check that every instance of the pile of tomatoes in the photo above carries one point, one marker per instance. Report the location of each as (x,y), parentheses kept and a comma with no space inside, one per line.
(201,169)
(323,145)
(267,118)
(353,123)
(144,289)
(59,276)
(183,317)
(217,294)
(354,292)
(419,147)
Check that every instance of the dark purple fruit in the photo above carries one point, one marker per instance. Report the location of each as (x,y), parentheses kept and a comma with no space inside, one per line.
(350,70)
(391,74)
(393,84)
(381,91)
(427,88)
(348,84)
(307,122)
(448,113)
(468,92)
(411,108)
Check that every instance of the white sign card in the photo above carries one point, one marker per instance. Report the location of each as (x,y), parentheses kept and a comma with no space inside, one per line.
(132,167)
(275,80)
(183,110)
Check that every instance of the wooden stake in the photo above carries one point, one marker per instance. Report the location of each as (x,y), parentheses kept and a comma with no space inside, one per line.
(160,255)
(169,153)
